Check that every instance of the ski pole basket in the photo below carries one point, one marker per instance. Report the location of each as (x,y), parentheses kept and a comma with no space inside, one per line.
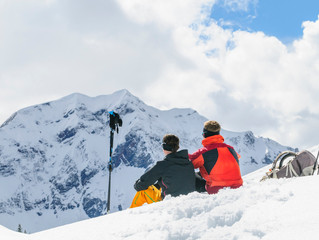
(290,164)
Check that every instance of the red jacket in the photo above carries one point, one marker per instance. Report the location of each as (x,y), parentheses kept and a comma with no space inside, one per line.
(217,162)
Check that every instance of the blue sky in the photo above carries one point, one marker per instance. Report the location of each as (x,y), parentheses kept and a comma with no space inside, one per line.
(280,18)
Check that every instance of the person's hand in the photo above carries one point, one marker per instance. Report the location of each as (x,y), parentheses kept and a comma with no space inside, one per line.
(139,186)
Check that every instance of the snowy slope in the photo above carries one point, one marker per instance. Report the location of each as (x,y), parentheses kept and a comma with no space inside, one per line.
(53,156)
(273,209)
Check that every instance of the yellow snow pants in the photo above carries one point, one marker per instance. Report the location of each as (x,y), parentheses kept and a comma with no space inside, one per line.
(150,195)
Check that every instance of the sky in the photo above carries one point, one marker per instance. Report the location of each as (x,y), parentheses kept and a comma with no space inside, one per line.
(281,19)
(249,64)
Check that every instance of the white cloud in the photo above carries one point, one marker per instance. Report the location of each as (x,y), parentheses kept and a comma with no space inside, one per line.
(59,47)
(165,13)
(248,81)
(167,52)
(239,5)
(279,87)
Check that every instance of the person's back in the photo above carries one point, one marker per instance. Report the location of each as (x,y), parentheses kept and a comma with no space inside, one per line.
(178,174)
(174,175)
(218,162)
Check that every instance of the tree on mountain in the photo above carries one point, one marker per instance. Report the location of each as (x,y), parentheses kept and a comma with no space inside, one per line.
(19,228)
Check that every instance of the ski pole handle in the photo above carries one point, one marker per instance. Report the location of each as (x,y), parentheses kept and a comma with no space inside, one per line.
(110,166)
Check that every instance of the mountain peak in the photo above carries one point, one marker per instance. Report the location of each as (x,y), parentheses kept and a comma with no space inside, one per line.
(54,155)
(123,92)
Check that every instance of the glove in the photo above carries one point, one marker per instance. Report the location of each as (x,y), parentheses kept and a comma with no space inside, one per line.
(139,186)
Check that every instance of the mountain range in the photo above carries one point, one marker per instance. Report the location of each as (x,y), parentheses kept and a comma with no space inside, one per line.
(53,156)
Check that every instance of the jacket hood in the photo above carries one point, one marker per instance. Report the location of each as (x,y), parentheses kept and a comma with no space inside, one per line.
(180,157)
(212,139)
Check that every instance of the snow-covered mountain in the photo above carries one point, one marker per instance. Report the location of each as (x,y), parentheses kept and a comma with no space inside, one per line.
(272,209)
(53,156)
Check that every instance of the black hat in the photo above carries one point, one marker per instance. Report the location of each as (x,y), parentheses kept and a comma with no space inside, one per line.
(207,133)
(167,147)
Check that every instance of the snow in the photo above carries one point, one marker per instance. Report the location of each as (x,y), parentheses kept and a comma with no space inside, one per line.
(273,209)
(37,163)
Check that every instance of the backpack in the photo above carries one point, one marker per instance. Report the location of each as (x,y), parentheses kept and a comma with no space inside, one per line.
(299,164)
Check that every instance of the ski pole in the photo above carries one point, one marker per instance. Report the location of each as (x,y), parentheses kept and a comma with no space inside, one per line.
(115,123)
(110,170)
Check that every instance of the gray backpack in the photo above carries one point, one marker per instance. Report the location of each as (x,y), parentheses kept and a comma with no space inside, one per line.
(290,164)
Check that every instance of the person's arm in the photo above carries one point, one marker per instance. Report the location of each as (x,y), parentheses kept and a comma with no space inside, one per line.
(149,178)
(196,158)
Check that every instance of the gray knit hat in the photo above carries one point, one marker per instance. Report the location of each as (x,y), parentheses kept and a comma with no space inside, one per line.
(211,128)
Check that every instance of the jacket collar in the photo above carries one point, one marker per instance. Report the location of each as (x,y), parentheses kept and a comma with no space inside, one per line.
(212,139)
(180,157)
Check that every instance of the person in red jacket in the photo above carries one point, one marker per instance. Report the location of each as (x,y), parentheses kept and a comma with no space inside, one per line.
(217,162)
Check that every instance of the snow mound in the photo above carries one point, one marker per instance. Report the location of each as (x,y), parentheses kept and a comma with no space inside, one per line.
(273,209)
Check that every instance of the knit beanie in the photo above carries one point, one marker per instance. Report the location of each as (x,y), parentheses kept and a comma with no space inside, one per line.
(211,128)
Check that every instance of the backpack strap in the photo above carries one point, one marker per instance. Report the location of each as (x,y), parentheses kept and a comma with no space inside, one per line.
(282,155)
(315,166)
(289,154)
(292,171)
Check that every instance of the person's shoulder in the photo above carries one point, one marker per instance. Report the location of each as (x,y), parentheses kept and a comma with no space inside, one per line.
(197,153)
(200,151)
(183,153)
(159,166)
(162,162)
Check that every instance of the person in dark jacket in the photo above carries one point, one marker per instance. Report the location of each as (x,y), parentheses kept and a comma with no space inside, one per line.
(174,175)
(218,162)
